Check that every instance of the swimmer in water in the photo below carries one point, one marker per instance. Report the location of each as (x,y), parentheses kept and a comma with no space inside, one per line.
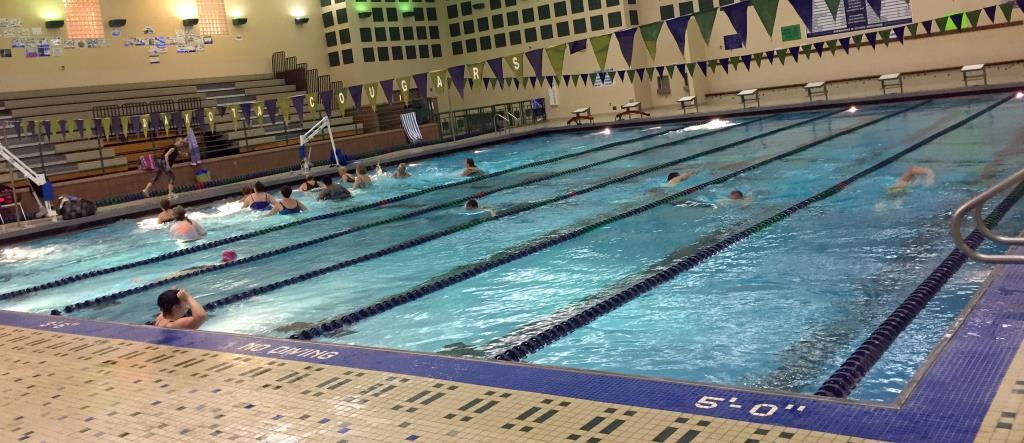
(401,171)
(259,200)
(363,180)
(912,176)
(309,184)
(184,229)
(471,169)
(333,191)
(246,192)
(675,178)
(345,176)
(173,304)
(473,207)
(166,214)
(287,205)
(225,257)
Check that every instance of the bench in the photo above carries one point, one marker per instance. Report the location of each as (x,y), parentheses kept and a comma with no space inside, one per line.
(749,96)
(816,89)
(580,115)
(891,81)
(974,72)
(688,102)
(630,109)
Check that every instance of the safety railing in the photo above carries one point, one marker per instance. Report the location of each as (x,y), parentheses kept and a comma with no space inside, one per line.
(974,206)
(470,122)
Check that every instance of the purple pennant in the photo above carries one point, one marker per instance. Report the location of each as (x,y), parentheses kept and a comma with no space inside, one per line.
(900,33)
(271,105)
(246,109)
(724,62)
(805,9)
(661,71)
(134,124)
(487,82)
(47,128)
(115,126)
(516,82)
(498,68)
(819,47)
(771,57)
(737,13)
(746,60)
(585,77)
(872,39)
(795,53)
(927,26)
(958,20)
(622,76)
(176,122)
(681,68)
(80,127)
(472,84)
(1020,4)
(63,125)
(703,65)
(845,43)
(677,27)
(577,46)
(640,73)
(876,5)
(536,59)
(388,86)
(199,116)
(421,83)
(17,127)
(625,38)
(298,103)
(551,80)
(356,92)
(31,127)
(327,101)
(990,11)
(221,110)
(533,82)
(565,79)
(458,74)
(154,122)
(97,127)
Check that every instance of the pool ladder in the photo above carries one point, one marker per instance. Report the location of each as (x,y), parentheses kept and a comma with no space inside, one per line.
(974,206)
(509,118)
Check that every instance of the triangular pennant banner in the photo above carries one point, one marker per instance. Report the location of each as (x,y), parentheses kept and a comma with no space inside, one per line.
(832,44)
(758,58)
(356,92)
(622,76)
(677,27)
(649,33)
(692,67)
(912,28)
(725,64)
(771,57)
(794,52)
(625,38)
(703,65)
(297,103)
(515,63)
(746,60)
(990,11)
(819,47)
(958,21)
(876,5)
(577,46)
(805,9)
(737,13)
(600,45)
(498,68)
(631,74)
(556,56)
(370,92)
(421,84)
(1007,10)
(706,22)
(900,33)
(438,81)
(536,59)
(973,16)
(833,7)
(458,76)
(640,73)
(927,26)
(387,87)
(766,11)
(872,39)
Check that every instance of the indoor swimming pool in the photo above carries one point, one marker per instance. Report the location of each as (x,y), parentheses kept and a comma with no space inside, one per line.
(573,218)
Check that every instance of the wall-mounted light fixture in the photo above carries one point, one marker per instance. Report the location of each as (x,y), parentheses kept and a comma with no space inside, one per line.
(239,21)
(54,24)
(189,22)
(301,20)
(117,23)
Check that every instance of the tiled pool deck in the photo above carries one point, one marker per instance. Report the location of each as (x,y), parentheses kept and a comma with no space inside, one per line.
(64,379)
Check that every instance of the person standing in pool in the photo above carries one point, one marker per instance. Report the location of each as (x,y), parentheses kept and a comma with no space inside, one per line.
(471,169)
(173,304)
(166,214)
(184,229)
(259,200)
(333,191)
(287,205)
(401,171)
(165,165)
(912,176)
(309,184)
(363,180)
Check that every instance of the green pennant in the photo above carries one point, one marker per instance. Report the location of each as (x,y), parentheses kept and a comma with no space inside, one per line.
(671,71)
(438,80)
(649,72)
(515,63)
(766,11)
(556,56)
(973,16)
(857,40)
(941,22)
(692,67)
(370,93)
(342,99)
(1007,9)
(706,22)
(124,125)
(833,7)
(475,72)
(631,74)
(404,88)
(600,46)
(106,127)
(575,79)
(912,28)
(885,35)
(781,55)
(758,58)
(832,46)
(712,65)
(650,33)
(806,51)
(734,61)
(234,116)
(285,106)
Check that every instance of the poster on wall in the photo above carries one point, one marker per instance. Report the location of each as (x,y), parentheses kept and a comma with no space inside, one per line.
(5,53)
(31,50)
(855,15)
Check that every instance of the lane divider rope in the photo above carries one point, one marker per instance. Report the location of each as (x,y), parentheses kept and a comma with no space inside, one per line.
(408,244)
(227,240)
(516,253)
(100,301)
(844,380)
(563,328)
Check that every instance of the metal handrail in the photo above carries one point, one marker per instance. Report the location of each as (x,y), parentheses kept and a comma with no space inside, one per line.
(497,127)
(974,206)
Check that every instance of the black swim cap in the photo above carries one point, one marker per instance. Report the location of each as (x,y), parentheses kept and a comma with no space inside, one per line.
(167,300)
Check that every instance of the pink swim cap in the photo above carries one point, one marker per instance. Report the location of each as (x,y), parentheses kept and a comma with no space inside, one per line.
(228,256)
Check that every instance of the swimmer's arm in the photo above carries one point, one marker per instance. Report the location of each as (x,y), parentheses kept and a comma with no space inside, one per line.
(199,228)
(274,210)
(380,170)
(323,194)
(198,317)
(302,207)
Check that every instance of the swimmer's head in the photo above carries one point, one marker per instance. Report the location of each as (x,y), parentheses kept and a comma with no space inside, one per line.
(896,192)
(470,163)
(735,195)
(309,178)
(361,170)
(328,180)
(247,190)
(169,303)
(228,256)
(179,213)
(672,175)
(472,204)
(401,167)
(165,204)
(286,191)
(258,187)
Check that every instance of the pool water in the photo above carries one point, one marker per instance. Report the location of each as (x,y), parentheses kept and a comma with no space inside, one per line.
(779,310)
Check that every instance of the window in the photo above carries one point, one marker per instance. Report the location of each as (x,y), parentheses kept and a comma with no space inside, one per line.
(344,36)
(706,4)
(577,6)
(393,33)
(396,53)
(527,16)
(378,16)
(327,16)
(424,53)
(333,59)
(615,20)
(594,4)
(453,11)
(456,48)
(432,14)
(499,41)
(597,23)
(346,57)
(342,17)
(468,27)
(365,35)
(666,12)
(495,4)
(560,9)
(367,54)
(563,29)
(530,34)
(213,20)
(471,45)
(453,29)
(497,21)
(332,39)
(392,14)
(380,34)
(434,33)
(579,26)
(382,54)
(544,12)
(512,18)
(483,24)
(514,38)
(633,19)
(83,19)
(686,8)
(545,32)
(407,31)
(612,3)
(435,50)
(485,42)
(410,52)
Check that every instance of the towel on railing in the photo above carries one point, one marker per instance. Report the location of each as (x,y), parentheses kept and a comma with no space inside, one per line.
(193,148)
(147,163)
(412,129)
